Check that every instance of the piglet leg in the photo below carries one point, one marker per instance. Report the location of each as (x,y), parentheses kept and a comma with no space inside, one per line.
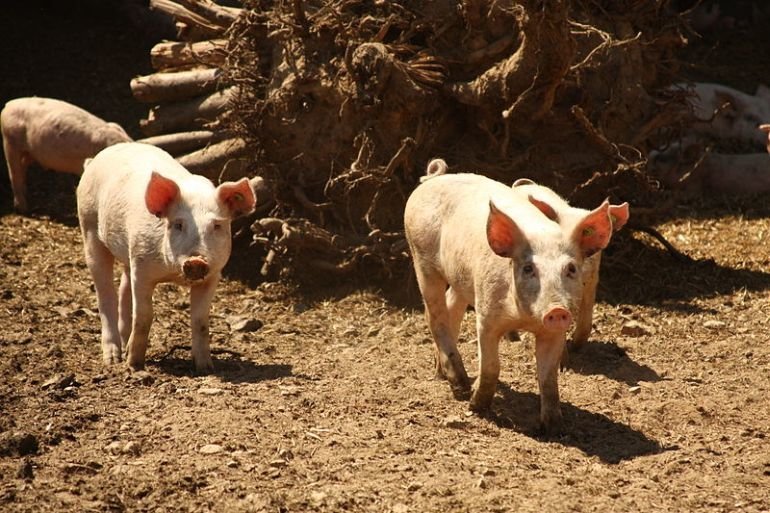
(201,296)
(100,263)
(548,352)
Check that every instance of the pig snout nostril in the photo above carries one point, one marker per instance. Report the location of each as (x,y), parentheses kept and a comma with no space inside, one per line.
(195,268)
(557,318)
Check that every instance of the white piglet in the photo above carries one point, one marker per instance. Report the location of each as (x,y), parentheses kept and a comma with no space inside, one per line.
(55,134)
(475,241)
(557,209)
(139,206)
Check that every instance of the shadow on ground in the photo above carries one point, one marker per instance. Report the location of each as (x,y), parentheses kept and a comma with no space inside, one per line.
(593,433)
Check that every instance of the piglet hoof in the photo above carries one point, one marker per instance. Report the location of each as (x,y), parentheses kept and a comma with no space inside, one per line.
(135,364)
(551,423)
(481,398)
(111,355)
(203,366)
(461,392)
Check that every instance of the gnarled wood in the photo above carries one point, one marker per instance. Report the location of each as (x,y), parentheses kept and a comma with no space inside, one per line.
(182,142)
(175,54)
(191,114)
(211,160)
(170,87)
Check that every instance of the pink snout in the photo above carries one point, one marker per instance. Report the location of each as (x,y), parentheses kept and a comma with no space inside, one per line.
(195,268)
(557,319)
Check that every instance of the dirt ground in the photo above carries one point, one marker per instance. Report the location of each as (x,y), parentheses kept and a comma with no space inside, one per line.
(328,403)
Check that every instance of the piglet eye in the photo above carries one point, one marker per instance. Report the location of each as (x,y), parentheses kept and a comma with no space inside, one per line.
(528,269)
(178,226)
(217,226)
(571,269)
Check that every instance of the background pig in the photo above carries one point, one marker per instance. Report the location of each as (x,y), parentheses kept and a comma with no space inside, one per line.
(688,166)
(557,209)
(722,112)
(474,241)
(138,205)
(55,134)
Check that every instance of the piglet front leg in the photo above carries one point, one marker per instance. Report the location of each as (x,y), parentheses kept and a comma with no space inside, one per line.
(548,351)
(201,296)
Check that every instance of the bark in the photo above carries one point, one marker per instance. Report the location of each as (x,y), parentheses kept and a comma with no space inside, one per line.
(211,161)
(175,117)
(194,23)
(170,87)
(174,54)
(182,142)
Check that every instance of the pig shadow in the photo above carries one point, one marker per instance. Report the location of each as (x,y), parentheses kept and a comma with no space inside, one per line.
(637,270)
(232,368)
(608,359)
(50,195)
(593,433)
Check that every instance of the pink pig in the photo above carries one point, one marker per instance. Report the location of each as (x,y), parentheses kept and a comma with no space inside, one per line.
(475,241)
(57,135)
(139,206)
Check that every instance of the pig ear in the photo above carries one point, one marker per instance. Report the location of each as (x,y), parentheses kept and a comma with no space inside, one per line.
(522,181)
(503,234)
(545,208)
(619,216)
(160,194)
(593,233)
(238,197)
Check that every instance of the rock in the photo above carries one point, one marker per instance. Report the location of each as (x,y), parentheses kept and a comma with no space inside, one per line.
(454,422)
(636,329)
(141,377)
(60,382)
(635,389)
(413,487)
(132,448)
(211,449)
(714,324)
(244,324)
(114,447)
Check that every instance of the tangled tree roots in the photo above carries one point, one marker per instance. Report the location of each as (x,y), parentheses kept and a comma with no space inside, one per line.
(344,102)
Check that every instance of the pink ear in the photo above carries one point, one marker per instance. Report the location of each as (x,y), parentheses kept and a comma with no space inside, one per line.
(503,234)
(545,208)
(238,197)
(594,231)
(619,216)
(160,194)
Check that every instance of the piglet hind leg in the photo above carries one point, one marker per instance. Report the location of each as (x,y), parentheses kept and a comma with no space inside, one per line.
(584,320)
(17,173)
(201,296)
(443,323)
(125,303)
(100,263)
(548,353)
(141,292)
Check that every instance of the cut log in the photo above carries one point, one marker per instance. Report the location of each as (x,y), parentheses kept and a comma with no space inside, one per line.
(222,16)
(189,115)
(183,142)
(195,23)
(212,160)
(174,54)
(165,87)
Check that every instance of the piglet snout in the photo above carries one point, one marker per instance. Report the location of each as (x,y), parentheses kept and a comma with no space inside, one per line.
(195,268)
(557,319)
